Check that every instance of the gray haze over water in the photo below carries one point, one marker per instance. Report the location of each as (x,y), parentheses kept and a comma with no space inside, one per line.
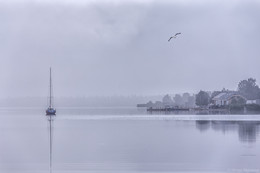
(121,47)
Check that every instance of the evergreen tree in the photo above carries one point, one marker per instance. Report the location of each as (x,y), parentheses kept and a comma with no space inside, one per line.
(202,98)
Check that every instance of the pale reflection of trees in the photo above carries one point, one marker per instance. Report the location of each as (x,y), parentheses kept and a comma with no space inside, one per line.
(248,131)
(224,126)
(203,125)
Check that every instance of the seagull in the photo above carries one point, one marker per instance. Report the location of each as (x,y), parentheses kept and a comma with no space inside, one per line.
(174,36)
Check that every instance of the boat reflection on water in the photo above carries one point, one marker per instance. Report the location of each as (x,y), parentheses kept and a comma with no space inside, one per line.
(248,131)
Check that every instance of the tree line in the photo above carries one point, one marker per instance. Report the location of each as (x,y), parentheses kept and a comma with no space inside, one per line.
(247,88)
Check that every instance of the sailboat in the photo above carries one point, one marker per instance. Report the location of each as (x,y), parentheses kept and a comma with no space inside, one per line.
(50,110)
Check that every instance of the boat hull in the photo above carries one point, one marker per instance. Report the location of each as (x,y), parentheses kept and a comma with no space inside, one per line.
(50,111)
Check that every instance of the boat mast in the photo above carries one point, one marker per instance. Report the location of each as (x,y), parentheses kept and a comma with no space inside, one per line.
(50,88)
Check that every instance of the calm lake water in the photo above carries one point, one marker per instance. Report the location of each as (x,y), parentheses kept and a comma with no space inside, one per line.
(113,140)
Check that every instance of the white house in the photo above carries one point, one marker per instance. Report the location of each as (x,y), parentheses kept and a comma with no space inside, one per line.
(257,101)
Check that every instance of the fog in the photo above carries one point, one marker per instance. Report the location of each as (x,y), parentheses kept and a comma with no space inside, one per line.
(121,47)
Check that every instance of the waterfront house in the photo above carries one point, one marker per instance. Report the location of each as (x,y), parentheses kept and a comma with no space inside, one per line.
(256,101)
(225,98)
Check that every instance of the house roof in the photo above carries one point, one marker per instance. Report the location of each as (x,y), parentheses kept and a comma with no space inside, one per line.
(227,95)
(217,97)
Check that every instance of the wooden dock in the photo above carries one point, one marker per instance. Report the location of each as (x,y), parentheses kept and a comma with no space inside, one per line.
(167,109)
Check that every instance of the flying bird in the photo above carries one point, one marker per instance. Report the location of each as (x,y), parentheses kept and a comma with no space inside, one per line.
(174,36)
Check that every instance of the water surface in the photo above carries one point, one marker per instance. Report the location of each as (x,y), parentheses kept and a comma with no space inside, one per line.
(127,140)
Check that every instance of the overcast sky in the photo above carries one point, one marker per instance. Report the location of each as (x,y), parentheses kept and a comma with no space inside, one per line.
(121,47)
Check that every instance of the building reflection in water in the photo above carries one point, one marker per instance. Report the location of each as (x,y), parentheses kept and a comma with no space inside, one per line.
(248,131)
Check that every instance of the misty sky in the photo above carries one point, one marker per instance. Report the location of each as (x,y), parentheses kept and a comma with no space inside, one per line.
(121,47)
